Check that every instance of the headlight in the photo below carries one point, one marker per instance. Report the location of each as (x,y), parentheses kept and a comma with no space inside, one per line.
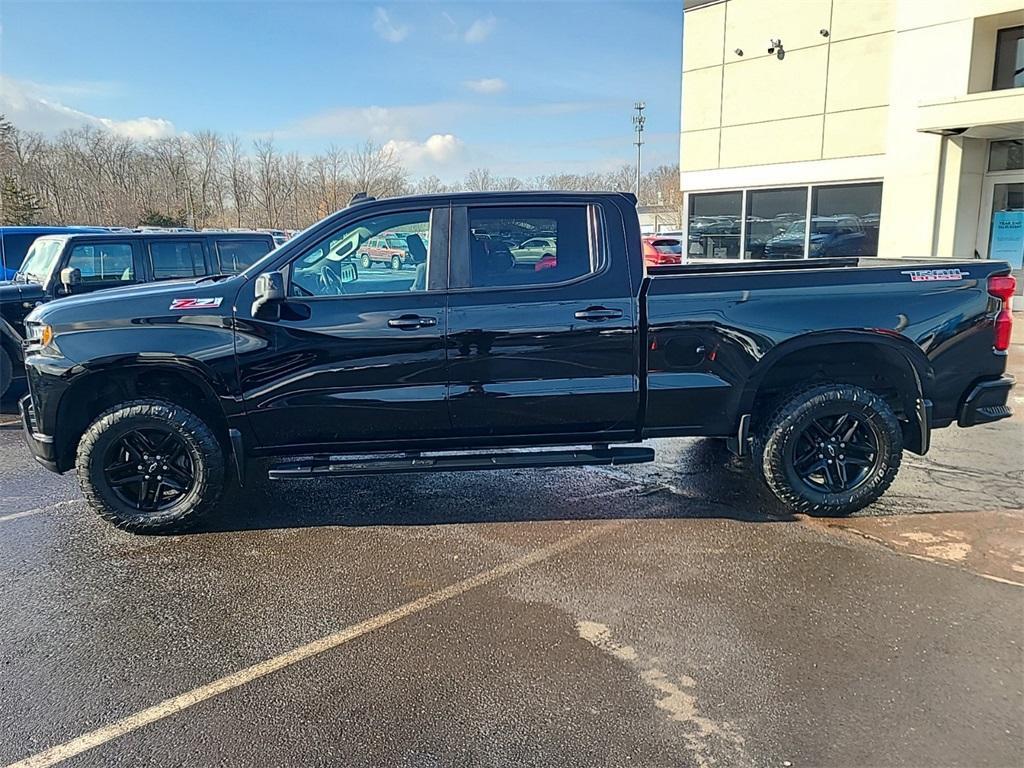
(39,338)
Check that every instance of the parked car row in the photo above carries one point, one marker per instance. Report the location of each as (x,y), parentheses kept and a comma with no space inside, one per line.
(48,263)
(782,236)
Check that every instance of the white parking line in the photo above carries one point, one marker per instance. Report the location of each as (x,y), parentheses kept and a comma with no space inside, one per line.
(37,511)
(188,699)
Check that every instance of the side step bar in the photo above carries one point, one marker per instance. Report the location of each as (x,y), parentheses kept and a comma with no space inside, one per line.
(337,466)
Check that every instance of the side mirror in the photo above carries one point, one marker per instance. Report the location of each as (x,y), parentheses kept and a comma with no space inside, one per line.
(69,278)
(269,295)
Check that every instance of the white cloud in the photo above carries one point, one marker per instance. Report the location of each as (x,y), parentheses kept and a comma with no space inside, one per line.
(486,85)
(480,29)
(386,29)
(437,152)
(26,106)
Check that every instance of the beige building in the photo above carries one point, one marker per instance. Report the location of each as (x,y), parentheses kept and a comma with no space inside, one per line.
(895,127)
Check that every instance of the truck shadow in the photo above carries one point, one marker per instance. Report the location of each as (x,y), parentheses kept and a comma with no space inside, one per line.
(710,484)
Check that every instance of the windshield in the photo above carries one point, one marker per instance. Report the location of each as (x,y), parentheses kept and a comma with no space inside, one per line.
(40,259)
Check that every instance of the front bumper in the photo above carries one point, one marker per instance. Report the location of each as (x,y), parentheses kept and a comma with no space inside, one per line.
(40,445)
(987,402)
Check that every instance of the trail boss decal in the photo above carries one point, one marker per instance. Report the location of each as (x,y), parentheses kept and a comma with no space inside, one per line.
(931,275)
(196,303)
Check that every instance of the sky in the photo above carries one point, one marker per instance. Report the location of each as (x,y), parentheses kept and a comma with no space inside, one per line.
(523,88)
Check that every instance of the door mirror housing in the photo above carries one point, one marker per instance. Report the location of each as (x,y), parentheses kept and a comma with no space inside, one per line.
(270,293)
(69,278)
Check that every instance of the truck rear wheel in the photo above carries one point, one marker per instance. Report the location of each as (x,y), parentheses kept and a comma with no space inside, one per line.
(6,371)
(150,466)
(829,449)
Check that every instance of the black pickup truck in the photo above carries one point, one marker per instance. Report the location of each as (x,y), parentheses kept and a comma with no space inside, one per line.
(824,371)
(74,263)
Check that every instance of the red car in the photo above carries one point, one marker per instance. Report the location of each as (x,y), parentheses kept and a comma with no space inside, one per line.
(662,251)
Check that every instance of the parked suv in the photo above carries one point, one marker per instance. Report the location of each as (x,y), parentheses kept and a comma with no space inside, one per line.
(72,264)
(391,248)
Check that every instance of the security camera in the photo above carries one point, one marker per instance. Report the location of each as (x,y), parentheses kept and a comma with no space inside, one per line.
(774,43)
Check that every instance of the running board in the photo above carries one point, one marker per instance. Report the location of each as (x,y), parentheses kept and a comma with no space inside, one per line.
(335,466)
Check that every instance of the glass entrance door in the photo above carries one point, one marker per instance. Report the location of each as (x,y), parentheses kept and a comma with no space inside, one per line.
(1001,229)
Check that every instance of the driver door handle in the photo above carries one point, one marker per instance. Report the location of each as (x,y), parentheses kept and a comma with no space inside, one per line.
(597,314)
(411,322)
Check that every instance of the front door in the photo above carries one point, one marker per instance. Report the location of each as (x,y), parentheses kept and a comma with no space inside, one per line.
(357,356)
(539,346)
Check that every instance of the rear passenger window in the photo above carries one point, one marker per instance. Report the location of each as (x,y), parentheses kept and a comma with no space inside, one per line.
(103,262)
(176,259)
(528,245)
(237,255)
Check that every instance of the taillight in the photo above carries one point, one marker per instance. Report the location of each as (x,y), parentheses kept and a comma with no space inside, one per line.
(1003,287)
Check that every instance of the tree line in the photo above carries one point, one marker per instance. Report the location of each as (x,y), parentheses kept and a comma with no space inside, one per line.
(94,176)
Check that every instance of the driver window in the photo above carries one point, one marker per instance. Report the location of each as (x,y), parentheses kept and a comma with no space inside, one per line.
(355,261)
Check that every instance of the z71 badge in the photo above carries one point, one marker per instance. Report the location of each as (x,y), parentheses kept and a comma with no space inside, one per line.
(196,303)
(930,275)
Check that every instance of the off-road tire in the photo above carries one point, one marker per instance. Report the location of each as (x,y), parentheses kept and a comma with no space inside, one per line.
(785,423)
(205,452)
(6,371)
(396,263)
(365,262)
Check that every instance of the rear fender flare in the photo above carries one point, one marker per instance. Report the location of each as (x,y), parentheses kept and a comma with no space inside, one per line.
(915,402)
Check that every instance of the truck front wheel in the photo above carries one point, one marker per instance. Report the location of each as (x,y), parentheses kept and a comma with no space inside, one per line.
(829,449)
(150,466)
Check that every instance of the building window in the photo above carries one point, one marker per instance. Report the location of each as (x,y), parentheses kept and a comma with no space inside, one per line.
(775,223)
(844,222)
(1006,155)
(714,225)
(1009,68)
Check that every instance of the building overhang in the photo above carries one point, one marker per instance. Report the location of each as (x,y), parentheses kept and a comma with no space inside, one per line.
(988,115)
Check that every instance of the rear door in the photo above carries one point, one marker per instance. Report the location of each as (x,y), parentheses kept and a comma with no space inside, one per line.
(172,258)
(357,356)
(544,347)
(236,254)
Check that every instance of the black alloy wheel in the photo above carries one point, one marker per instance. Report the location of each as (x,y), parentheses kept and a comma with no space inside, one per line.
(836,454)
(149,469)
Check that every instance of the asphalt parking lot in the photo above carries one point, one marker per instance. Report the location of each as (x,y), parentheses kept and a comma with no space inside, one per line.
(668,615)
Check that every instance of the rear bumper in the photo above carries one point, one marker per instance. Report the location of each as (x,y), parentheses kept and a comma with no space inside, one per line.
(40,445)
(986,402)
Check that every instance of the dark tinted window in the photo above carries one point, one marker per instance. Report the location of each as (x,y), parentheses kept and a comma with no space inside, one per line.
(775,223)
(845,220)
(1009,69)
(103,262)
(504,249)
(176,258)
(236,255)
(714,225)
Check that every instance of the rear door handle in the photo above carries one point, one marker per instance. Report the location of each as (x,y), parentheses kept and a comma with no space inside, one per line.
(597,314)
(411,322)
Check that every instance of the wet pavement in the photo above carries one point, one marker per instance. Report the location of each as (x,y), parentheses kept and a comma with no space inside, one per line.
(662,615)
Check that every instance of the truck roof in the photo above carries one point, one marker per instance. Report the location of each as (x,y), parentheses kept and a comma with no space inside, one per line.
(540,195)
(106,235)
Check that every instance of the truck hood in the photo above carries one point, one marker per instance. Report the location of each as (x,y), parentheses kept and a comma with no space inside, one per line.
(133,301)
(10,291)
